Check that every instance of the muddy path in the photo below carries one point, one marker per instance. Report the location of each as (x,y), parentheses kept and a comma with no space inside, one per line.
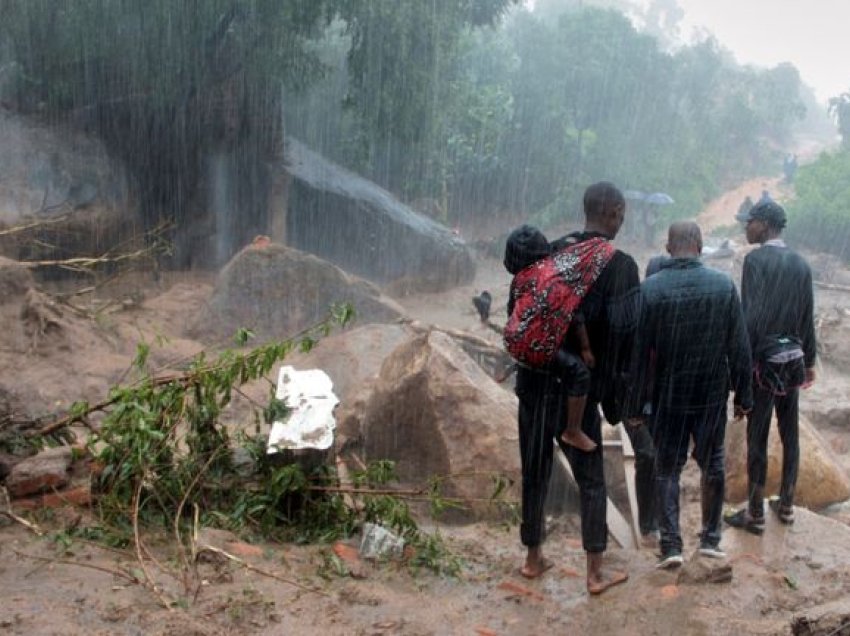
(56,584)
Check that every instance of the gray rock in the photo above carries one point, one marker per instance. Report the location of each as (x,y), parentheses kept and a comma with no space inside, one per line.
(43,472)
(364,229)
(435,412)
(277,291)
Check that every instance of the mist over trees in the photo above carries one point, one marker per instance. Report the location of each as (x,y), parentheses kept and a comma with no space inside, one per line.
(527,113)
(478,106)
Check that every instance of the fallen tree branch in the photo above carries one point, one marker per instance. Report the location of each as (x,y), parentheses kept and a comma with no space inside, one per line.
(87,262)
(91,566)
(27,524)
(69,419)
(23,228)
(187,378)
(149,582)
(253,568)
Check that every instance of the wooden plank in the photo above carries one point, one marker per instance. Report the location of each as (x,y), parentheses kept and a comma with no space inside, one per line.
(618,527)
(631,489)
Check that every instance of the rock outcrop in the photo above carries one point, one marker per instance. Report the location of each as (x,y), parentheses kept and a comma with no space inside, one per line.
(48,172)
(435,412)
(342,217)
(277,291)
(821,480)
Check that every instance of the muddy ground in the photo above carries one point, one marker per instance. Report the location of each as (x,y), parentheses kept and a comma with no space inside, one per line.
(55,585)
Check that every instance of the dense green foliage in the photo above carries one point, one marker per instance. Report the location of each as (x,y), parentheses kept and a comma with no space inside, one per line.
(443,100)
(529,113)
(819,216)
(180,89)
(166,460)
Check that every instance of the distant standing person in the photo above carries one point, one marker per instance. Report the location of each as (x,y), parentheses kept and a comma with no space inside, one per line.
(778,301)
(789,167)
(610,312)
(745,207)
(692,342)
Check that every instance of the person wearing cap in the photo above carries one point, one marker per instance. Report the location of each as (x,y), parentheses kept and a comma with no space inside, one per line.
(778,304)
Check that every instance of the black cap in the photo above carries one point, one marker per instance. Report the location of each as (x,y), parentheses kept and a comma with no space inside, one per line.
(525,245)
(768,211)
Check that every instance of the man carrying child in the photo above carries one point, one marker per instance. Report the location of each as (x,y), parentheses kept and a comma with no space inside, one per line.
(609,308)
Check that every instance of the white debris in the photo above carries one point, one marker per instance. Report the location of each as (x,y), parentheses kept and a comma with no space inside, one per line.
(378,542)
(311,422)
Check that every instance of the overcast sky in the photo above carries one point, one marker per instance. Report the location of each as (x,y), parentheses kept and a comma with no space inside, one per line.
(811,34)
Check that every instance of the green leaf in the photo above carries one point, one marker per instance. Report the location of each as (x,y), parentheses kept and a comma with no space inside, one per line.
(242,336)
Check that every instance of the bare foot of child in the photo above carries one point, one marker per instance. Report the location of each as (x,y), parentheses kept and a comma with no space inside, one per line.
(579,440)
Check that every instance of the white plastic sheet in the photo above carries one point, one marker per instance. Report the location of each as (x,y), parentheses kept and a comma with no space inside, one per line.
(311,424)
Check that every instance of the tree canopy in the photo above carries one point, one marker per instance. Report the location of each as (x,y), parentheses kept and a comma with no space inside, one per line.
(463,102)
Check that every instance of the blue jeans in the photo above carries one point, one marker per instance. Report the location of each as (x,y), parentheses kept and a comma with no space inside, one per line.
(672,435)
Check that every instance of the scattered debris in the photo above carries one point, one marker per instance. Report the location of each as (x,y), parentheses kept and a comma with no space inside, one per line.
(379,543)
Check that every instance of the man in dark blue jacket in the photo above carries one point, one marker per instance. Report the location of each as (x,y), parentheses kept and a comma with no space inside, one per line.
(692,340)
(776,291)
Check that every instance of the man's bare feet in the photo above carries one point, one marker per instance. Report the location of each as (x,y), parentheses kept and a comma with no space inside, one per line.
(578,439)
(535,564)
(599,581)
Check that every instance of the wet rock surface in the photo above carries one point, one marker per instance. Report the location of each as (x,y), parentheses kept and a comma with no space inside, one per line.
(343,218)
(436,412)
(822,480)
(276,291)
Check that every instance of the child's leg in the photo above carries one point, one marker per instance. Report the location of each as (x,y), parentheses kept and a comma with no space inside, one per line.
(573,435)
(576,378)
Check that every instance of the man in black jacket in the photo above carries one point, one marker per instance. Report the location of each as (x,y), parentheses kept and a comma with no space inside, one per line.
(610,314)
(691,338)
(776,291)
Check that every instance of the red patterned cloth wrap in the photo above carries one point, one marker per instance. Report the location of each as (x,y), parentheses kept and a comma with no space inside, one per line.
(546,295)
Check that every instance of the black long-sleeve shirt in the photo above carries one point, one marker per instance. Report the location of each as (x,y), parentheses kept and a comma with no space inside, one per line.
(777,296)
(610,313)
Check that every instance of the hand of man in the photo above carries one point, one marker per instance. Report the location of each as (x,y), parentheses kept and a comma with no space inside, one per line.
(810,378)
(740,411)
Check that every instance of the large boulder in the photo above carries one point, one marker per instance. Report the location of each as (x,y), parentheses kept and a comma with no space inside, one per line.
(47,172)
(435,412)
(821,481)
(353,358)
(277,291)
(364,229)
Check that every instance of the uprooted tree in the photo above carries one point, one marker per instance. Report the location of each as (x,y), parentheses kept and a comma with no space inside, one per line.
(163,461)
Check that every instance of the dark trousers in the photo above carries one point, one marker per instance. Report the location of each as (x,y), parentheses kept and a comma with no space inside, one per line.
(542,417)
(672,434)
(758,428)
(644,448)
